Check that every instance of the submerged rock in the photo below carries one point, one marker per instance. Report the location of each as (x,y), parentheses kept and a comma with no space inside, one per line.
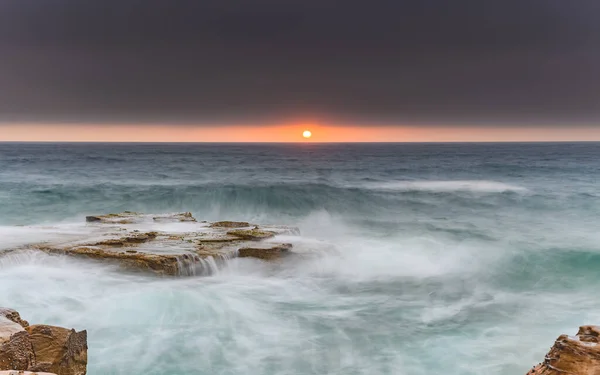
(251,234)
(40,348)
(130,217)
(574,355)
(168,244)
(126,217)
(178,217)
(230,224)
(266,252)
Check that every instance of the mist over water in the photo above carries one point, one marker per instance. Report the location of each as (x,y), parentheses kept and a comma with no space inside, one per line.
(431,258)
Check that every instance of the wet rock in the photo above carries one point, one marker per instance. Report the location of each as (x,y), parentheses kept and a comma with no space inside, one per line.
(230,224)
(272,252)
(136,238)
(574,355)
(177,217)
(136,261)
(167,244)
(251,234)
(122,218)
(59,350)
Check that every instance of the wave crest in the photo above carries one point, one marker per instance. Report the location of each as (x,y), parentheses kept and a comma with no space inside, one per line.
(479,186)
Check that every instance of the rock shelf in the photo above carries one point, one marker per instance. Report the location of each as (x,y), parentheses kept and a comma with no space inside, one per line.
(169,244)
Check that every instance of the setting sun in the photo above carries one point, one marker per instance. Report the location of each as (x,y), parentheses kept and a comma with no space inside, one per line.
(307,134)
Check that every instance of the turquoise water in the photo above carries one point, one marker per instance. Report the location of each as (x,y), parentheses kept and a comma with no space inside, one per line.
(436,258)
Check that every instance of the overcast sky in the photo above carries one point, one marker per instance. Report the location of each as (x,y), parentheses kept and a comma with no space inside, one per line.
(379,61)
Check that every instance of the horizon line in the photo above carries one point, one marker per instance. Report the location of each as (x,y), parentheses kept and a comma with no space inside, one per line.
(298,142)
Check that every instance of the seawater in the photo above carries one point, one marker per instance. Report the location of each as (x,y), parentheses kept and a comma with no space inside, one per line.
(433,258)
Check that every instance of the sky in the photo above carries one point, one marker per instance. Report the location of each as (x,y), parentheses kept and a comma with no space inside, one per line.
(265,70)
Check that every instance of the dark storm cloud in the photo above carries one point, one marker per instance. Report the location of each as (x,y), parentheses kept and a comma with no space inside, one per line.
(233,60)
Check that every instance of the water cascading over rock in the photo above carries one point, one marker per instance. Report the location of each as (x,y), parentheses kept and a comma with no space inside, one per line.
(168,244)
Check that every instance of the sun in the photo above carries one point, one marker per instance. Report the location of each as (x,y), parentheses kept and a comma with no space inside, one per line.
(307,134)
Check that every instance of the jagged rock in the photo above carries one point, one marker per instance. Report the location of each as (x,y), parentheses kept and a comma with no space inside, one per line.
(40,349)
(269,252)
(573,355)
(230,224)
(13,316)
(16,352)
(59,350)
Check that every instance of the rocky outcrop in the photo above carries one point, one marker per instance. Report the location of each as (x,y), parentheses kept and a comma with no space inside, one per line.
(573,355)
(168,244)
(16,351)
(13,316)
(40,348)
(58,350)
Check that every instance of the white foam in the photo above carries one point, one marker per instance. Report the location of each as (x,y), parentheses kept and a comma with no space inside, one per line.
(15,236)
(481,186)
(368,304)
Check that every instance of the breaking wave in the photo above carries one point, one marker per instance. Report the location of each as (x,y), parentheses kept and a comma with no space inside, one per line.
(446,186)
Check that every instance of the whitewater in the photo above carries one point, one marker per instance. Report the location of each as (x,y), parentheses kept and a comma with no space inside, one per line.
(429,258)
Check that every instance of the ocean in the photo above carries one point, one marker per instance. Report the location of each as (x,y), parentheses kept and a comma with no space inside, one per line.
(432,258)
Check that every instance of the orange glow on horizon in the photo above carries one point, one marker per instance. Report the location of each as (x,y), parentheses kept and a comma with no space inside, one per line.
(286,133)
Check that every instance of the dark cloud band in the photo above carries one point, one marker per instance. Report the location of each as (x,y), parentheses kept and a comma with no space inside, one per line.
(384,61)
